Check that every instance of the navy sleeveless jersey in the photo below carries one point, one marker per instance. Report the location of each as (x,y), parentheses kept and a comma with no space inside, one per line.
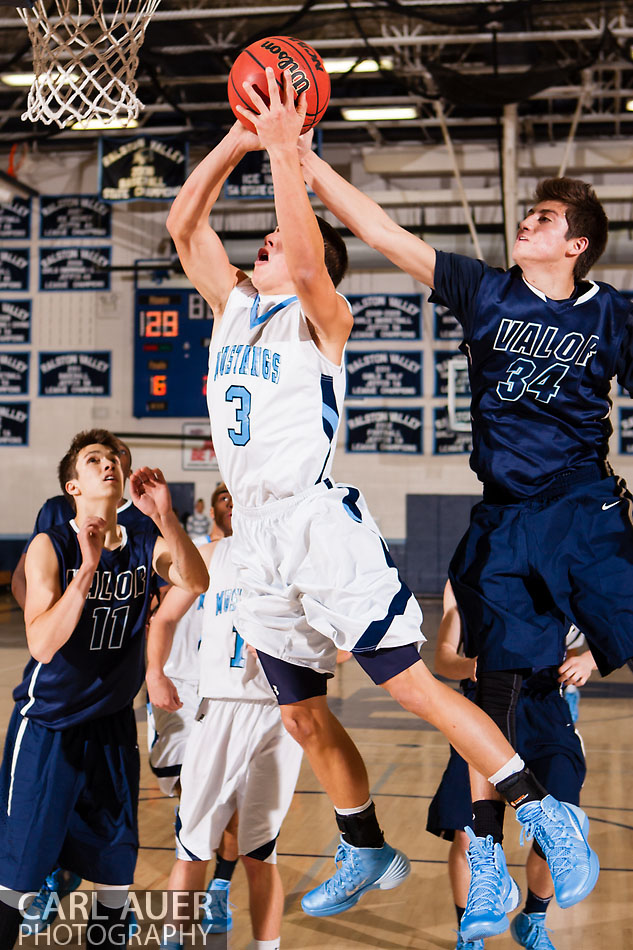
(100,669)
(540,370)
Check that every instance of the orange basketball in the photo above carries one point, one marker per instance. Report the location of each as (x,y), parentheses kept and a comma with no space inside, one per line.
(282,53)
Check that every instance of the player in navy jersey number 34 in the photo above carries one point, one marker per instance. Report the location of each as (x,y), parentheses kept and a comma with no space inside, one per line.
(314,571)
(69,778)
(552,540)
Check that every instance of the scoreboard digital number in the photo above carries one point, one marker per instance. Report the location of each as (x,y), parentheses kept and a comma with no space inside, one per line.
(171,353)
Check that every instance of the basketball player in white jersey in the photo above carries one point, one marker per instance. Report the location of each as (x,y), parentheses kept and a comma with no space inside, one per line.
(315,572)
(238,757)
(168,729)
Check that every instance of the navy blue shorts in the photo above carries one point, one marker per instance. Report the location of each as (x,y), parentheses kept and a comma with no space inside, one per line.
(548,743)
(292,683)
(524,572)
(69,797)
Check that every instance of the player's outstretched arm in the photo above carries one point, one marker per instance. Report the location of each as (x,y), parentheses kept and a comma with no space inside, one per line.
(448,662)
(278,127)
(176,558)
(50,617)
(162,691)
(160,637)
(200,250)
(366,219)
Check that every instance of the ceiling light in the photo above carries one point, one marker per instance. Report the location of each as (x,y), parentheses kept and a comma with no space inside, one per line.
(95,125)
(629,105)
(379,113)
(27,79)
(364,66)
(17,79)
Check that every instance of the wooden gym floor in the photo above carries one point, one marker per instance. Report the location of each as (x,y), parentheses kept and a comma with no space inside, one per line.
(405,760)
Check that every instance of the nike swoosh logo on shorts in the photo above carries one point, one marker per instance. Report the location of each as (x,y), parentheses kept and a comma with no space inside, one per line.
(606,507)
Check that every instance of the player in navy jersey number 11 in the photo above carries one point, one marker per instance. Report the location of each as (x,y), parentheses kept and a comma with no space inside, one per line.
(552,541)
(69,778)
(314,571)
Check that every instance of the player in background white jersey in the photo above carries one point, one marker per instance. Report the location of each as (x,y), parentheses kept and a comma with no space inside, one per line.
(315,572)
(173,653)
(167,730)
(238,757)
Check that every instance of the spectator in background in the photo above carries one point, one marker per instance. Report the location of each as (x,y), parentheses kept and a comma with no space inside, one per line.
(199,523)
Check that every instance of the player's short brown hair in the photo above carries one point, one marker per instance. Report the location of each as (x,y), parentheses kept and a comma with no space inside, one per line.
(336,259)
(585,217)
(67,468)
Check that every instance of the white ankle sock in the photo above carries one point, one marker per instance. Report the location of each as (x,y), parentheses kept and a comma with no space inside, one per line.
(265,944)
(352,811)
(514,765)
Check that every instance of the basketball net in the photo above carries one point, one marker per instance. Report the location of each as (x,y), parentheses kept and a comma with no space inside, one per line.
(85,64)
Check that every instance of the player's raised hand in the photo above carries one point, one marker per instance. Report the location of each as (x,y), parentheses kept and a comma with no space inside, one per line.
(91,539)
(280,121)
(150,492)
(247,140)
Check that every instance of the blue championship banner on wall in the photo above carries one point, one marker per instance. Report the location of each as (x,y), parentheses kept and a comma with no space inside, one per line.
(442,359)
(625,446)
(75,374)
(449,441)
(14,268)
(384,430)
(385,373)
(15,218)
(147,168)
(14,423)
(15,321)
(14,374)
(74,216)
(386,316)
(252,178)
(446,325)
(75,268)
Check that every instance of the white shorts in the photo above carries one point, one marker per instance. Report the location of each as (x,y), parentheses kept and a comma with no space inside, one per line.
(239,756)
(167,734)
(316,576)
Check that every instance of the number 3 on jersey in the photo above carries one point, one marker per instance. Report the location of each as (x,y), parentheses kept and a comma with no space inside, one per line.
(242,398)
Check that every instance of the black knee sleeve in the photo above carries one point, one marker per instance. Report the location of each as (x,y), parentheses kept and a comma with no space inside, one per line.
(498,694)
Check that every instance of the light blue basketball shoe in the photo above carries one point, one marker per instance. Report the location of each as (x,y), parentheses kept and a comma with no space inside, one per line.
(359,870)
(561,830)
(217,915)
(529,930)
(44,907)
(468,944)
(492,892)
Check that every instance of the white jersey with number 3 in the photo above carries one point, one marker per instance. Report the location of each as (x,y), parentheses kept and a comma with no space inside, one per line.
(274,399)
(228,670)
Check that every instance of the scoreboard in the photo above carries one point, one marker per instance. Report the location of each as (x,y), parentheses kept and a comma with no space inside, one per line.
(171,353)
